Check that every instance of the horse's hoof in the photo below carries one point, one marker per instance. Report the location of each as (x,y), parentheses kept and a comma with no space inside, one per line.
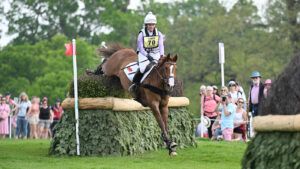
(173,153)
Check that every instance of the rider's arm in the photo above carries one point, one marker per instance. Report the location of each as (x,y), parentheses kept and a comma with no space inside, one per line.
(161,44)
(140,44)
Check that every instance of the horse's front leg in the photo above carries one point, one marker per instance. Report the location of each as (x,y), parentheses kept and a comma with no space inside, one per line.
(171,145)
(157,114)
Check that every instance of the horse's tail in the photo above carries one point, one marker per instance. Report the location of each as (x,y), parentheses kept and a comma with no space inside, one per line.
(111,49)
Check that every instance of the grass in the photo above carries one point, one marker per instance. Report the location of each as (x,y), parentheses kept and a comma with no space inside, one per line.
(31,154)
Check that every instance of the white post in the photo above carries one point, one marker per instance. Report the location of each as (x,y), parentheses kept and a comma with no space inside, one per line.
(76,96)
(222,60)
(251,133)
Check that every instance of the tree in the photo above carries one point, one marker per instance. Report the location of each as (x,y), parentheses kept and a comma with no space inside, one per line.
(42,69)
(35,20)
(283,20)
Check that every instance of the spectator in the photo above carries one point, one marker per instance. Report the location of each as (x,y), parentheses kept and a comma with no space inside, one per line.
(224,91)
(233,91)
(22,123)
(57,114)
(202,94)
(255,93)
(45,117)
(268,84)
(4,113)
(12,106)
(209,107)
(216,129)
(227,115)
(242,94)
(240,121)
(33,116)
(216,91)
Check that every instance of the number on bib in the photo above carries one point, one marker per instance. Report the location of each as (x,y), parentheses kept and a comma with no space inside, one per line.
(151,42)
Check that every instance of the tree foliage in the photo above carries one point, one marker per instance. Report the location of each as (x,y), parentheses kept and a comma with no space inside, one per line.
(42,69)
(35,20)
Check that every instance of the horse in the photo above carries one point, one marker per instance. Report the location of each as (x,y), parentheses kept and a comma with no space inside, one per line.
(153,91)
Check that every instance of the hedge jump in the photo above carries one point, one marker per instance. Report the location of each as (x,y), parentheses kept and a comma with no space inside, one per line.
(117,126)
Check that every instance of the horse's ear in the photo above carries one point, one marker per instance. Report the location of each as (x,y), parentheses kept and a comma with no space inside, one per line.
(168,56)
(174,58)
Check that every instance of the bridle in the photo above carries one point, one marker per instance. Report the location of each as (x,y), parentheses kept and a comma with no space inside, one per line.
(163,76)
(164,91)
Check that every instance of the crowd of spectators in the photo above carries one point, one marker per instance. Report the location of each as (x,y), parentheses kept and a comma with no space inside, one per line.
(22,118)
(225,111)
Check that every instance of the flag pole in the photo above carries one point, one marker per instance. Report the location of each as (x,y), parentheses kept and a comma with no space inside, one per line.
(76,95)
(222,61)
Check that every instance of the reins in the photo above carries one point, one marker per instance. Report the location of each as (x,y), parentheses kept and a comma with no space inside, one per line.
(154,89)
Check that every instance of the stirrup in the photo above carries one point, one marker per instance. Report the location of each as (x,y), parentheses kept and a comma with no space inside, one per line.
(132,88)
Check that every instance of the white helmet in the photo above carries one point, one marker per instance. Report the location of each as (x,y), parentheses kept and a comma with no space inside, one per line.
(150,18)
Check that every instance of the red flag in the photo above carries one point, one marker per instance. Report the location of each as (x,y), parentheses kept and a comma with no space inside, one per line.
(69,49)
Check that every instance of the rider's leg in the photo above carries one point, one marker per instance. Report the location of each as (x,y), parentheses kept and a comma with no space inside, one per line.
(136,81)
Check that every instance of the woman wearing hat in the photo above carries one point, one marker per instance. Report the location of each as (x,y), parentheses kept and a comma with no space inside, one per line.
(233,92)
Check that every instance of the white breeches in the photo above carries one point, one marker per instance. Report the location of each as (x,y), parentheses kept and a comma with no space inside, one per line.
(143,60)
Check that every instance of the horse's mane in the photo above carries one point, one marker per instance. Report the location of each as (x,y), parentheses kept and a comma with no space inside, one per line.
(111,49)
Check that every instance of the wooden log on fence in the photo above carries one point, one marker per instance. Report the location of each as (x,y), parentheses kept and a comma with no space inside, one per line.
(127,105)
(89,103)
(178,102)
(286,123)
(118,104)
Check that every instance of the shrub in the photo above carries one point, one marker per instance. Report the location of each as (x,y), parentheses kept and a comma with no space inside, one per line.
(106,132)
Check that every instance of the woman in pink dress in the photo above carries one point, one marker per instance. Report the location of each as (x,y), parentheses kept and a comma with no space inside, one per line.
(4,113)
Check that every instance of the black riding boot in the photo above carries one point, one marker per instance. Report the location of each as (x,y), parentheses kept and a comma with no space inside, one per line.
(136,81)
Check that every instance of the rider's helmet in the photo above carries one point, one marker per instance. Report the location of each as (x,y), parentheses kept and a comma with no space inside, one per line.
(255,74)
(150,18)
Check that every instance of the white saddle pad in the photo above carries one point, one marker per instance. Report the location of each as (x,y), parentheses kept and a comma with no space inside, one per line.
(131,69)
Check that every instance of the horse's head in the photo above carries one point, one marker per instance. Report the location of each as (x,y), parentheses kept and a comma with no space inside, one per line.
(168,68)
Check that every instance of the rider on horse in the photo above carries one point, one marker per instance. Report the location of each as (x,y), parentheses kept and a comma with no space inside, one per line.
(150,48)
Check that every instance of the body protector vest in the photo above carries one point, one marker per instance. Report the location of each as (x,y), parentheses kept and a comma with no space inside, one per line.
(150,42)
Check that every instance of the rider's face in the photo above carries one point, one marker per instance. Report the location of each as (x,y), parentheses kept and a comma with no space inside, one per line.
(150,27)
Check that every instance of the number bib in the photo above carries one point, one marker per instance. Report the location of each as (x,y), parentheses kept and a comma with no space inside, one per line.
(150,42)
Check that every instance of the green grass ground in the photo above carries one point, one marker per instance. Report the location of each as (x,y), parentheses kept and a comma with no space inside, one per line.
(31,154)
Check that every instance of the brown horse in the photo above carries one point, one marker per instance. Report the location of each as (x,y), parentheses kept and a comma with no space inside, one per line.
(153,92)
